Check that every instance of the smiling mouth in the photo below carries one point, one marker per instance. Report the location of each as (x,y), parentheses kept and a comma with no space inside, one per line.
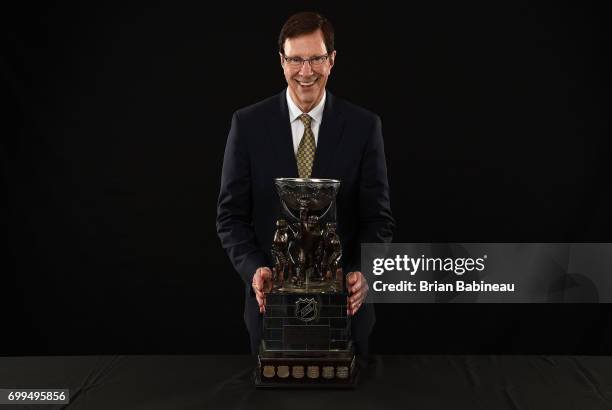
(306,84)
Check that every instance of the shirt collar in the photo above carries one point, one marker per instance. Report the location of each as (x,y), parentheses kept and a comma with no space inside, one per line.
(316,113)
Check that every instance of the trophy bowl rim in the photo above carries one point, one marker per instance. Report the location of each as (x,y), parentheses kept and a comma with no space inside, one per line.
(307,180)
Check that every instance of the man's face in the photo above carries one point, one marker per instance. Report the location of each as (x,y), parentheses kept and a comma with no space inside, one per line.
(307,81)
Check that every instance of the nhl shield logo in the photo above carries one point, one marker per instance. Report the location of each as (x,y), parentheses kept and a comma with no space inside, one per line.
(306,309)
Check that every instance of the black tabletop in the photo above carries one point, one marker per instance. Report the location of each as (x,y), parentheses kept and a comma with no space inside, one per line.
(390,382)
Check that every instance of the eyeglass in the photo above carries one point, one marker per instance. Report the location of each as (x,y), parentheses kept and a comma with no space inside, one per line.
(299,61)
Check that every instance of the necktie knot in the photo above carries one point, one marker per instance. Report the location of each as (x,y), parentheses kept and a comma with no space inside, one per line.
(306,120)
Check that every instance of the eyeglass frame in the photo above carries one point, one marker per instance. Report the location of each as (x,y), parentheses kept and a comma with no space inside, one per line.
(304,60)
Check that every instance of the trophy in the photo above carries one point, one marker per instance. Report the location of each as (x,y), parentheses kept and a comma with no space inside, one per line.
(306,330)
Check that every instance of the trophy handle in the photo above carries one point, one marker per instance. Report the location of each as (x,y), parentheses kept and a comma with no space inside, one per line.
(326,211)
(286,208)
(295,218)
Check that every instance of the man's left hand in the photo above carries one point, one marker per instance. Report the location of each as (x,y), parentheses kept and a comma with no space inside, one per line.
(358,289)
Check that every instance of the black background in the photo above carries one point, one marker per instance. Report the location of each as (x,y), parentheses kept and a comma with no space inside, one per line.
(496,128)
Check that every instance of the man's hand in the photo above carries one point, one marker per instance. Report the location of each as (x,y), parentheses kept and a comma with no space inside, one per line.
(261,282)
(358,289)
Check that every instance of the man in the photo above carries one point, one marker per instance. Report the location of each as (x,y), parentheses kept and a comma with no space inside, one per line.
(303,132)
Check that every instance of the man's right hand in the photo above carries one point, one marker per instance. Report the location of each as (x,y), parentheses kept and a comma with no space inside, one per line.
(262,280)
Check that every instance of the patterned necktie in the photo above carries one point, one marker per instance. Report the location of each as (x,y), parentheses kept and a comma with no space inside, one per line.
(306,149)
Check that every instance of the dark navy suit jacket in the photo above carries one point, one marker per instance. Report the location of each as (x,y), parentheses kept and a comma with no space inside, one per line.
(260,148)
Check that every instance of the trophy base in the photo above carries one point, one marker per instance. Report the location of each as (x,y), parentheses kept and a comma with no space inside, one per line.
(306,369)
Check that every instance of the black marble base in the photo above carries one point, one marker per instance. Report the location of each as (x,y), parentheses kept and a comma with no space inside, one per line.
(309,321)
(306,342)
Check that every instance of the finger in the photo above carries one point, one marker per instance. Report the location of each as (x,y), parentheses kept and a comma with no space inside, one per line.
(259,293)
(257,283)
(261,298)
(261,301)
(357,297)
(354,306)
(261,274)
(354,290)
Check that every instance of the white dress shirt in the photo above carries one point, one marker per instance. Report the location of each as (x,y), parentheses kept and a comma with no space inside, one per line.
(297,127)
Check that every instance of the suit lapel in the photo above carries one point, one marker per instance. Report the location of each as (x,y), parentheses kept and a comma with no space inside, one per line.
(282,141)
(330,134)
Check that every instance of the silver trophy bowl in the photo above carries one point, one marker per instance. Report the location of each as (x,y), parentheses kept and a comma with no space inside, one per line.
(313,195)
